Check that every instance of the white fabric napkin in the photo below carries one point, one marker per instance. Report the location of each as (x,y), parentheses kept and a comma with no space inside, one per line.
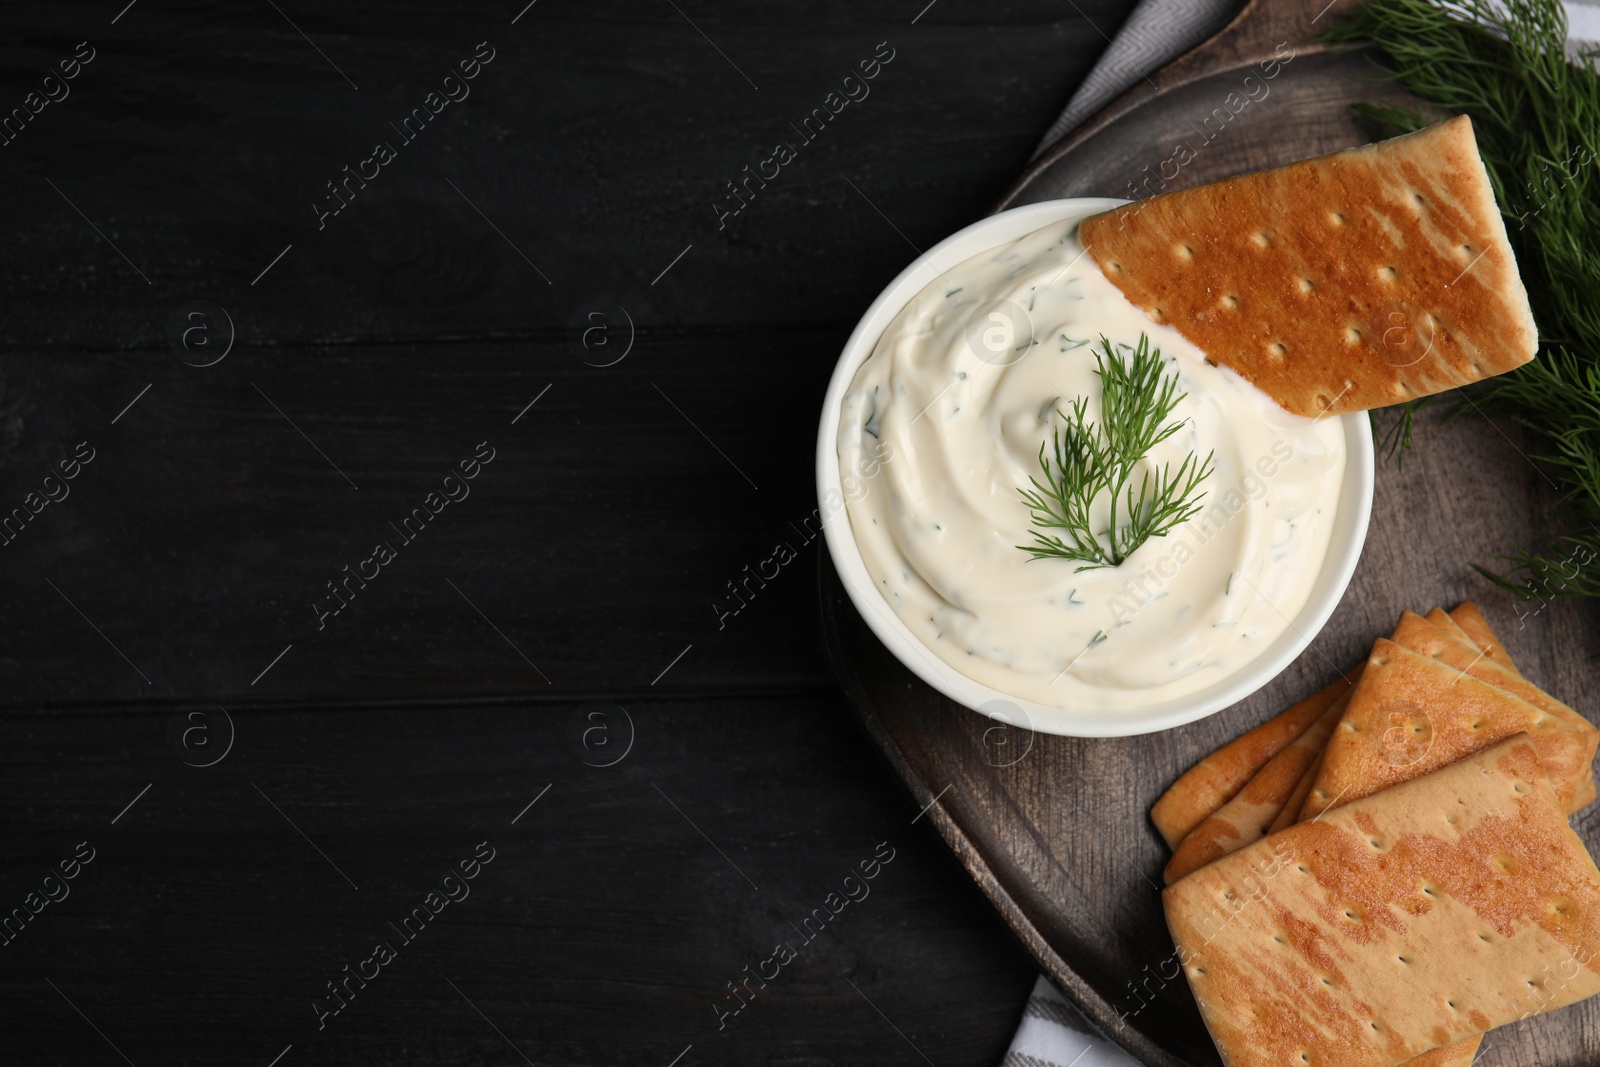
(1053,1033)
(1157,32)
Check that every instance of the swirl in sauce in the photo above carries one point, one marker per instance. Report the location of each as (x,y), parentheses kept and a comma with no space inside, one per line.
(960,392)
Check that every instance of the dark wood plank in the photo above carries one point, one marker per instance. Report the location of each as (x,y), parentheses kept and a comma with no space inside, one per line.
(1061,840)
(604,929)
(599,541)
(597,143)
(396,339)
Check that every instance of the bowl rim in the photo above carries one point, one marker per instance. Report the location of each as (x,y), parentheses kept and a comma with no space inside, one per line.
(1338,565)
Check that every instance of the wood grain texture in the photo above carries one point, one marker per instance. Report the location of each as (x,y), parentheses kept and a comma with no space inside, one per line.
(604,930)
(414,326)
(596,143)
(1059,838)
(597,540)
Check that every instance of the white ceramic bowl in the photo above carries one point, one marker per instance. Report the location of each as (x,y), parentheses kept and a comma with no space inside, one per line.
(1344,547)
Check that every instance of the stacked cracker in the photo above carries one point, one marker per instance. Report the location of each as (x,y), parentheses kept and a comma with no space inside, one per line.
(1385,870)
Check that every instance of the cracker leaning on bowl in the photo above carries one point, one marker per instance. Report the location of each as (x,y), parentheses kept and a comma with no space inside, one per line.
(1350,281)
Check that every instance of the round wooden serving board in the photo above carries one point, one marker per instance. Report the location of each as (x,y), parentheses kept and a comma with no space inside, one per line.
(1055,830)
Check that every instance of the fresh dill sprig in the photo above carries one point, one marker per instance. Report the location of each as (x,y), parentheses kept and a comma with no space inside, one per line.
(1089,462)
(1536,116)
(1393,442)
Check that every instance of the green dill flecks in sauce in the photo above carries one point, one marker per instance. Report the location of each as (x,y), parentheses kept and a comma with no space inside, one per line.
(1158,627)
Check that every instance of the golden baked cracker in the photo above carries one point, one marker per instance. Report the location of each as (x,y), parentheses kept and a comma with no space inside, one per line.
(1401,922)
(1441,618)
(1297,800)
(1351,281)
(1215,780)
(1249,816)
(1421,636)
(1411,714)
(1467,616)
(1462,1053)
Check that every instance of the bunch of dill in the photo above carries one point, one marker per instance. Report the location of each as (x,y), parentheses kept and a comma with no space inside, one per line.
(1536,115)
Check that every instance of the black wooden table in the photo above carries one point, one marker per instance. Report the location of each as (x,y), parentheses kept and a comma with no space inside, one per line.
(406,418)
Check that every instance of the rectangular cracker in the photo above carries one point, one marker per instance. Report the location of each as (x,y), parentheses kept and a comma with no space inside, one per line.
(1297,800)
(1398,923)
(1461,1054)
(1441,618)
(1355,280)
(1249,816)
(1421,636)
(1211,783)
(1467,616)
(1411,714)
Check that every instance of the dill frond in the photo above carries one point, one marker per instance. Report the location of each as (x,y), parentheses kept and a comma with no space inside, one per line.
(1536,116)
(1086,462)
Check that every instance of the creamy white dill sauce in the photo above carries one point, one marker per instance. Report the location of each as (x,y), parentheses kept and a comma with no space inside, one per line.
(942,426)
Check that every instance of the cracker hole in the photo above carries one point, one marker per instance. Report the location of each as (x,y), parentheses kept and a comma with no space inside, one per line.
(1336,218)
(1261,238)
(1519,787)
(1382,661)
(1302,868)
(1417,199)
(1484,938)
(1327,981)
(1277,350)
(1466,251)
(1352,334)
(1185,252)
(1386,274)
(1305,285)
(1114,267)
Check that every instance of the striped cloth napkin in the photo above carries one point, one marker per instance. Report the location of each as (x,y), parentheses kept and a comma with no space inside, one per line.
(1053,1033)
